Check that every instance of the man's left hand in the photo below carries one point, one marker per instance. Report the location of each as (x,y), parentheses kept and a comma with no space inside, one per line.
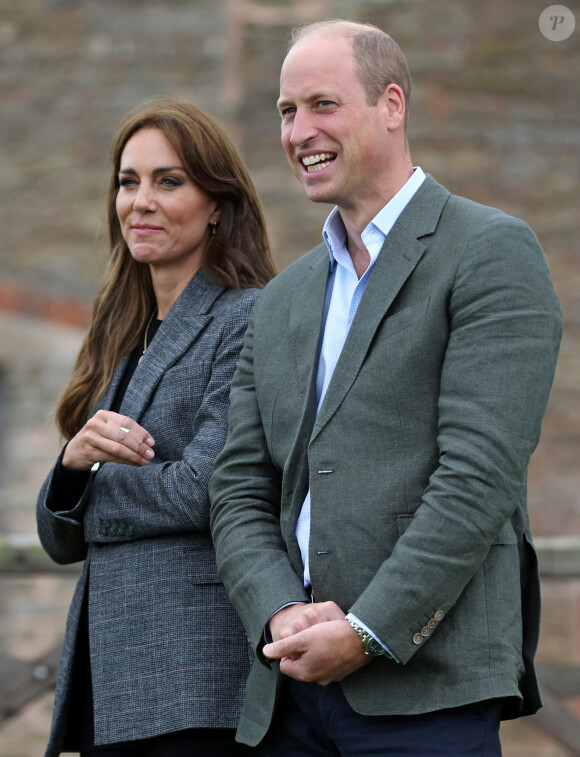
(323,653)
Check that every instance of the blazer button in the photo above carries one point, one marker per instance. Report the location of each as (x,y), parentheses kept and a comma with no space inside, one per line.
(417,638)
(425,631)
(433,623)
(439,615)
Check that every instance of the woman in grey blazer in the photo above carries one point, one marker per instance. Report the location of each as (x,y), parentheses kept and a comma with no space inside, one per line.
(155,659)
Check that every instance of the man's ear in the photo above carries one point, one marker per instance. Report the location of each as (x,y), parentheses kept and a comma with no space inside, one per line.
(393,102)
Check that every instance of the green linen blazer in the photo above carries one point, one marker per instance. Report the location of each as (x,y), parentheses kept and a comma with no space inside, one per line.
(416,461)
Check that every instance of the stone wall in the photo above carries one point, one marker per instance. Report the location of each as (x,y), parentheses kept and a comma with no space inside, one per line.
(494,116)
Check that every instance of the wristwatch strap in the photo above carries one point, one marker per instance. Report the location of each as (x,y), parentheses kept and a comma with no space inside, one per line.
(371,645)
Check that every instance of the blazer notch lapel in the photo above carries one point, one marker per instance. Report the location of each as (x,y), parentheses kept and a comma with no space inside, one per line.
(399,256)
(109,394)
(403,249)
(184,323)
(173,338)
(305,322)
(385,282)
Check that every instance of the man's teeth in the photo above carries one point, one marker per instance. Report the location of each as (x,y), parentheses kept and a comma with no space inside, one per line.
(315,163)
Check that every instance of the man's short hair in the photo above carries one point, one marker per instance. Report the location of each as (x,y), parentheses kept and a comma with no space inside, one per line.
(379,61)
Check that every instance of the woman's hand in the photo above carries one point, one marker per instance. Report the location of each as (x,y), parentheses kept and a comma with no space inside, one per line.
(109,437)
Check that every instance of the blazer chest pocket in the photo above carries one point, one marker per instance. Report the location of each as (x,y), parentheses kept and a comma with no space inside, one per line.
(185,381)
(402,320)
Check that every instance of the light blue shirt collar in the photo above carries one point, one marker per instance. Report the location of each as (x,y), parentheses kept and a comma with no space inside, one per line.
(374,235)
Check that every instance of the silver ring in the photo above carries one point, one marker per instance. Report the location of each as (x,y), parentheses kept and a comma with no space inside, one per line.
(126,430)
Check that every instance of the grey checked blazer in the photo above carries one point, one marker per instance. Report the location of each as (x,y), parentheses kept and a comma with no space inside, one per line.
(167,649)
(416,462)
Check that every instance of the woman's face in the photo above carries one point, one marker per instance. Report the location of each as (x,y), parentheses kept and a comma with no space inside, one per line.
(164,216)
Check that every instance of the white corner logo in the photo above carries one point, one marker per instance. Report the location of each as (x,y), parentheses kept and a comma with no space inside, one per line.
(557,23)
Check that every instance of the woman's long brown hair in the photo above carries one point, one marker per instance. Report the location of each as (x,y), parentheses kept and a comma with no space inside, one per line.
(237,256)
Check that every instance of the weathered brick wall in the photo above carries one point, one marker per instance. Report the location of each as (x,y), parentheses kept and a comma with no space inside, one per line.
(494,115)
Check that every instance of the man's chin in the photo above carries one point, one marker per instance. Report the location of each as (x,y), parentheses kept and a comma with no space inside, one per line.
(317,193)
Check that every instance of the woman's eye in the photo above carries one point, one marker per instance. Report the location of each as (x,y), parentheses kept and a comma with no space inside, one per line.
(126,182)
(171,182)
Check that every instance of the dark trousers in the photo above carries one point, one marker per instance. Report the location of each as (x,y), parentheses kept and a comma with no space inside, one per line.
(194,742)
(317,721)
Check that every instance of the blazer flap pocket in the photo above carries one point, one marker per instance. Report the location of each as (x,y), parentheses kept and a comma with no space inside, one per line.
(402,319)
(403,522)
(507,535)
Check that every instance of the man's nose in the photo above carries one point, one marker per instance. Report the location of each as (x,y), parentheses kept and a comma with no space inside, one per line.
(302,128)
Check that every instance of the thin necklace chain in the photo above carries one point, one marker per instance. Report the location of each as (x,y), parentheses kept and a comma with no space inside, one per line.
(149,322)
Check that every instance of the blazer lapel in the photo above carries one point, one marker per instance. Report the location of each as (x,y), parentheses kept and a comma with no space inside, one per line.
(305,321)
(181,327)
(400,254)
(109,393)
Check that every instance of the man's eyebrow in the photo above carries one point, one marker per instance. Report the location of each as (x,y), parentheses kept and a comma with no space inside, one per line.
(312,98)
(283,102)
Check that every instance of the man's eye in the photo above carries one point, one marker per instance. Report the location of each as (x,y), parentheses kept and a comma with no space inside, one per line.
(287,112)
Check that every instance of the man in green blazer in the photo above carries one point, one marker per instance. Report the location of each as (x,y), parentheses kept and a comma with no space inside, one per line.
(369,506)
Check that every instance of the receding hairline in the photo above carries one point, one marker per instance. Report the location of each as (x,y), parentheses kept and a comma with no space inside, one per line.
(332,28)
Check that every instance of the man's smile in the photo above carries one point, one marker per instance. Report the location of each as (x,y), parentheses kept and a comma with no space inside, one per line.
(314,163)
